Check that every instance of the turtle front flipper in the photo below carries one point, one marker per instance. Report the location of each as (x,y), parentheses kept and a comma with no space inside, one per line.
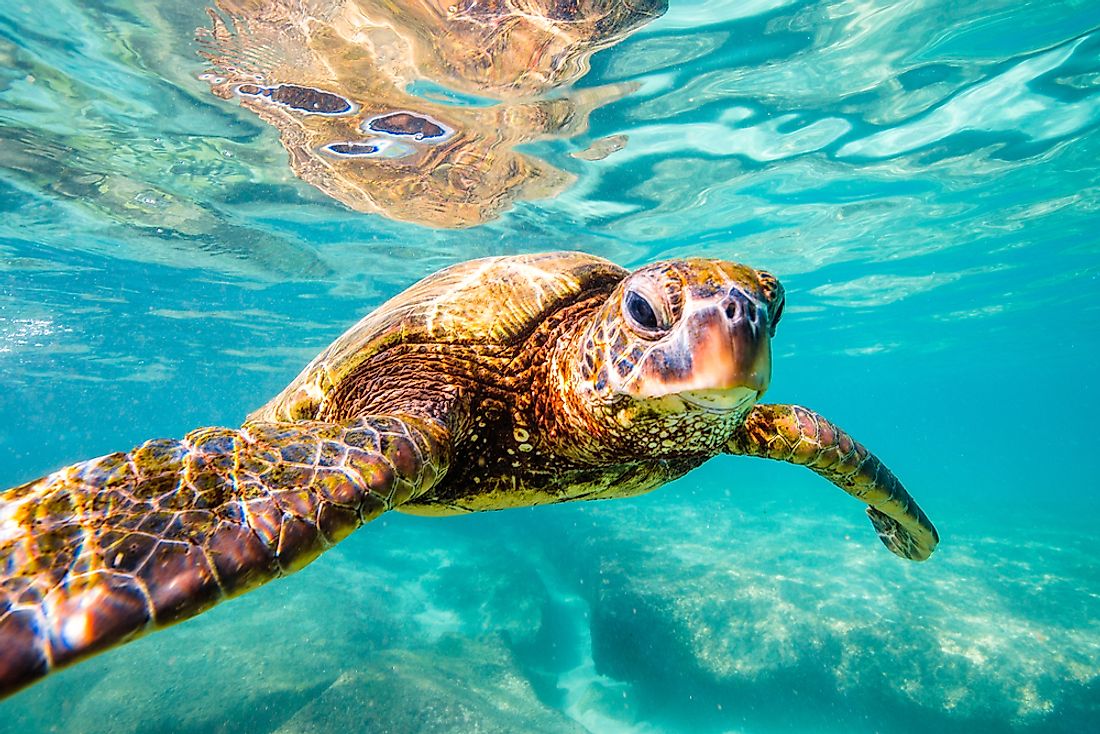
(102,551)
(800,436)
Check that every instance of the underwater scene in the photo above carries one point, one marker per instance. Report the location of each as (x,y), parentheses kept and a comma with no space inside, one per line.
(198,197)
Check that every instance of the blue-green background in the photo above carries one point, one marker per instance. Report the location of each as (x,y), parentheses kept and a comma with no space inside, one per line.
(922,175)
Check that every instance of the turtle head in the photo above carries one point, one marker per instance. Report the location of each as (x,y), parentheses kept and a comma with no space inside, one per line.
(678,355)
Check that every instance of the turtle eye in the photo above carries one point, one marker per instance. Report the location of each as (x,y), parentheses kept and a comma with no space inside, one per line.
(640,311)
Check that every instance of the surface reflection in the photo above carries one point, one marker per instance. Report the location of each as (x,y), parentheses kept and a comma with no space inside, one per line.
(414,112)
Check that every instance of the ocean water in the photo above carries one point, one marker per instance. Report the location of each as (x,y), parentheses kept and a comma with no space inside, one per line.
(923,176)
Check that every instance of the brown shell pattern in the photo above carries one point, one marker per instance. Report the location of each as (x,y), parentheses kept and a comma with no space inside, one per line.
(492,301)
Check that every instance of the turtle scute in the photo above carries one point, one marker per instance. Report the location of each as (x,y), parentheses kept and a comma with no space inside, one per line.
(103,551)
(493,383)
(494,301)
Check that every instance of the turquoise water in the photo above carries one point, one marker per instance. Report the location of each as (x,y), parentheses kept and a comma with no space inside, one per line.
(922,176)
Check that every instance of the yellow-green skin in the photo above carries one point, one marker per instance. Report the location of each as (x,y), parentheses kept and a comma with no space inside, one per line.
(496,383)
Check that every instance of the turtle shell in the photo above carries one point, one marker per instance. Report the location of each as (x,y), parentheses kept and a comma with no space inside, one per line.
(490,301)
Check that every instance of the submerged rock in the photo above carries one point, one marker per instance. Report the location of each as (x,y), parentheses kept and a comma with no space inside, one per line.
(669,613)
(767,616)
(459,685)
(404,629)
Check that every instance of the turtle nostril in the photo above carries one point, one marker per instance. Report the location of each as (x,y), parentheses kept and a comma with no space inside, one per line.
(740,307)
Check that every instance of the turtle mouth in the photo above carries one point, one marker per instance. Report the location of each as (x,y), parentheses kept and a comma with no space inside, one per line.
(720,401)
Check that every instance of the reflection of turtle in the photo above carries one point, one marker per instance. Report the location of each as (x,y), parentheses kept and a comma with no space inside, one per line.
(333,77)
(515,48)
(495,383)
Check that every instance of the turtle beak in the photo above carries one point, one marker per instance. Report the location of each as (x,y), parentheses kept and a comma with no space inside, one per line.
(732,348)
(718,359)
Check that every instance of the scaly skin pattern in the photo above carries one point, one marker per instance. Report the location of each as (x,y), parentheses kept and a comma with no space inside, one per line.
(604,363)
(580,381)
(445,317)
(102,551)
(800,436)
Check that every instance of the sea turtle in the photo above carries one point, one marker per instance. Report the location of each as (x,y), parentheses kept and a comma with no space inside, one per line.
(334,77)
(495,383)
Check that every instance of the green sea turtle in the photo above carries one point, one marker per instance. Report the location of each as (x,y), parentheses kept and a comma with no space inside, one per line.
(495,383)
(333,76)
